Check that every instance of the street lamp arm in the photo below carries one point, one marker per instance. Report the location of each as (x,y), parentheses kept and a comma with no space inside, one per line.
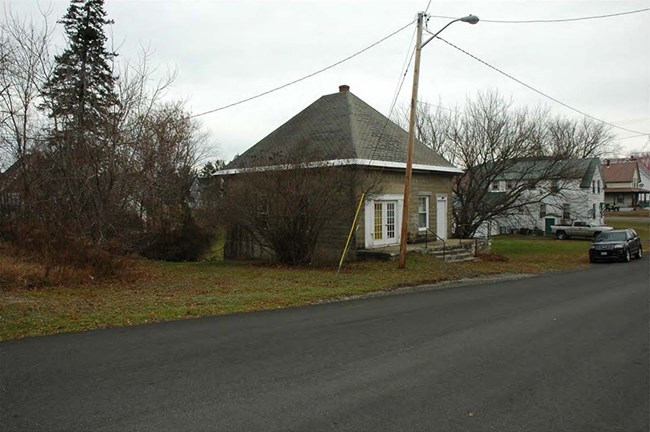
(438,32)
(472,19)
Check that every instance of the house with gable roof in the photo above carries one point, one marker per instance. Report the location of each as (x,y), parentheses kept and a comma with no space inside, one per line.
(627,182)
(557,191)
(341,130)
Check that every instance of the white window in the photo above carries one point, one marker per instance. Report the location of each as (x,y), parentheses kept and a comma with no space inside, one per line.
(423,213)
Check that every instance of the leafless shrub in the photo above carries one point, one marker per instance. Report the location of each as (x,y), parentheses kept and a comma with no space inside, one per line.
(491,138)
(286,205)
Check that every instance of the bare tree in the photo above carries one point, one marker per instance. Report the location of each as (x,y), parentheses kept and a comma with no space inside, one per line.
(432,123)
(494,141)
(167,154)
(571,138)
(25,65)
(286,208)
(103,169)
(489,139)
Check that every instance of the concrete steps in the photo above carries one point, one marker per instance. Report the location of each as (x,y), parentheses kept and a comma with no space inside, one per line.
(451,251)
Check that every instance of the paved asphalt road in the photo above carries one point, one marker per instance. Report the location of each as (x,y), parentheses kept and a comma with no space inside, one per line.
(565,352)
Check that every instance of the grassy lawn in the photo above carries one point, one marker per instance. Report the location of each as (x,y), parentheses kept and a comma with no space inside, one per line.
(635,214)
(159,291)
(642,228)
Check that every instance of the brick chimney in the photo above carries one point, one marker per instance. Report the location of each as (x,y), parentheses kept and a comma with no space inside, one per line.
(344,88)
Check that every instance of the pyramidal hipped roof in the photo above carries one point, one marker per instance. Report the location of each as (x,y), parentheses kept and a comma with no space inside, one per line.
(339,129)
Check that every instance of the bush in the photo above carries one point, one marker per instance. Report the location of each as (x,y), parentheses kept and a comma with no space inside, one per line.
(189,243)
(62,257)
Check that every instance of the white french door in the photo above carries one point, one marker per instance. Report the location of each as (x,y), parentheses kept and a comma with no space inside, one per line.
(384,222)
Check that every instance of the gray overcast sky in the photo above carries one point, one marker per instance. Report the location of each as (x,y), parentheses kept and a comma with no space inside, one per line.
(225,51)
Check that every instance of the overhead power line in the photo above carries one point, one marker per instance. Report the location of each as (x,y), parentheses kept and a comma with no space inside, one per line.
(405,67)
(541,21)
(304,77)
(539,91)
(645,145)
(633,136)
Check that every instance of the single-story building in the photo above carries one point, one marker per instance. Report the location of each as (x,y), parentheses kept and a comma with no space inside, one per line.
(342,132)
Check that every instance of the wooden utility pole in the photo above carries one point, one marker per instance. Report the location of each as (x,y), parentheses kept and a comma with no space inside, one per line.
(409,152)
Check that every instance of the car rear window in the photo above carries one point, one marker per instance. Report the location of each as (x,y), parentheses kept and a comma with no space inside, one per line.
(611,236)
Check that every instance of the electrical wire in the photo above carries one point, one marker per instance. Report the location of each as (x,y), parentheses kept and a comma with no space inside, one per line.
(546,21)
(645,146)
(410,54)
(453,110)
(304,77)
(405,68)
(541,92)
(633,136)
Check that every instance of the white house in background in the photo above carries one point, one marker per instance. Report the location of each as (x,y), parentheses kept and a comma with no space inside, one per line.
(577,193)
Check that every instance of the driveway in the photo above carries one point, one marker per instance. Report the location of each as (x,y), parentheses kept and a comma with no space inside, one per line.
(563,352)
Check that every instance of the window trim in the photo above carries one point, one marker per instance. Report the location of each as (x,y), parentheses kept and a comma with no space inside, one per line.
(427,212)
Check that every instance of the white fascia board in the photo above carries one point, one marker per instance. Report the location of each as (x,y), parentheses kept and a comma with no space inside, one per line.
(341,162)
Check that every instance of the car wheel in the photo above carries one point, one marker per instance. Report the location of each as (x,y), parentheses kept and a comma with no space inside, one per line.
(639,254)
(561,235)
(628,256)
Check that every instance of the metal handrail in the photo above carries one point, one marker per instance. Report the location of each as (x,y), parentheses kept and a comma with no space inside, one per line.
(444,243)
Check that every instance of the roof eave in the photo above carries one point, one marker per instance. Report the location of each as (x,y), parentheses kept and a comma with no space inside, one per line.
(342,162)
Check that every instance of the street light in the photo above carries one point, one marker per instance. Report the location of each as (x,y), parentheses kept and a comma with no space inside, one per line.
(471,19)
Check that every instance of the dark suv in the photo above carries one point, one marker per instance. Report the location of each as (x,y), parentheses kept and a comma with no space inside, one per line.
(616,245)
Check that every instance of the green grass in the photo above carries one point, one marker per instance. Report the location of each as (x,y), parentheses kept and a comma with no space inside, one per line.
(634,213)
(642,228)
(159,291)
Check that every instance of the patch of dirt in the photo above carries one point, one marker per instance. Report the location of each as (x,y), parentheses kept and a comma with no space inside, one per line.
(492,257)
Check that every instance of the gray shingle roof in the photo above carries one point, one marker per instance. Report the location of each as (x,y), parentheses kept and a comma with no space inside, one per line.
(334,127)
(582,169)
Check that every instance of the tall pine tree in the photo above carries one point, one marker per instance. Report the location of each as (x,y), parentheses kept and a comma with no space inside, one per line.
(81,100)
(81,92)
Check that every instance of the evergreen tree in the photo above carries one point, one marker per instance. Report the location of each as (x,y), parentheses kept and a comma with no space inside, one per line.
(80,97)
(81,91)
